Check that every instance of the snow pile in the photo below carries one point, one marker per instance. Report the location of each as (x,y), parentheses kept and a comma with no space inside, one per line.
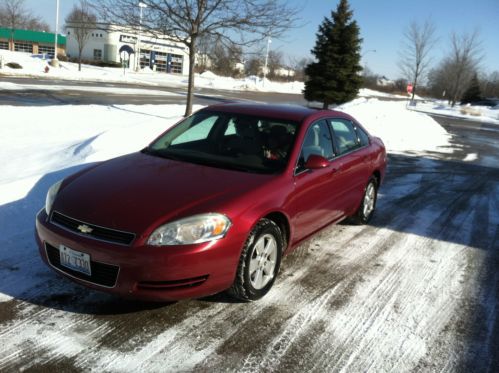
(251,83)
(35,141)
(476,113)
(402,130)
(34,66)
(366,92)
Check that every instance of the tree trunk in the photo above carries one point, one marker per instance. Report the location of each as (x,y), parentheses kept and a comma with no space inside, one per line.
(325,105)
(79,60)
(190,85)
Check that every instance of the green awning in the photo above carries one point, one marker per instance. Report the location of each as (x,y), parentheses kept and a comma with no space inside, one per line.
(32,36)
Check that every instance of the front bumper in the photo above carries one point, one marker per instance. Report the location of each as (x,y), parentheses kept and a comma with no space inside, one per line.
(142,271)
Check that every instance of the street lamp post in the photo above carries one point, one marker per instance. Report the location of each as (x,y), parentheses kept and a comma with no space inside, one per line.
(266,59)
(56,31)
(366,52)
(141,6)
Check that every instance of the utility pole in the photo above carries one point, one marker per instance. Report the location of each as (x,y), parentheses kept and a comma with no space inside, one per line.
(266,59)
(54,61)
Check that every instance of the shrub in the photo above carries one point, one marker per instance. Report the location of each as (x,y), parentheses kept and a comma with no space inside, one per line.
(13,65)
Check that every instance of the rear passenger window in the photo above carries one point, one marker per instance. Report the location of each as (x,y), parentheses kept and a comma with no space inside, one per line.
(317,141)
(363,137)
(344,135)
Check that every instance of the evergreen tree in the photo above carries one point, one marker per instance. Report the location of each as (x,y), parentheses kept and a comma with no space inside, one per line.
(335,76)
(473,93)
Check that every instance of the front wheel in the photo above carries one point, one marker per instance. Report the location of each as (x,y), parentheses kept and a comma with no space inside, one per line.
(259,262)
(368,204)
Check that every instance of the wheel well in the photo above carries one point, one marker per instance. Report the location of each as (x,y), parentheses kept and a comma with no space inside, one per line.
(377,175)
(283,224)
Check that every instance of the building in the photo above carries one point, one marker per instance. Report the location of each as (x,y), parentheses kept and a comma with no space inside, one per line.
(34,42)
(160,53)
(284,71)
(385,82)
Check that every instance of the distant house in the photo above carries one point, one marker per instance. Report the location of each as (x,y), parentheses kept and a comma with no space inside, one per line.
(385,82)
(280,71)
(203,60)
(159,52)
(284,71)
(239,67)
(34,42)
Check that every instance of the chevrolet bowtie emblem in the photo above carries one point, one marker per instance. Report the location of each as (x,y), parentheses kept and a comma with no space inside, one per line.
(85,228)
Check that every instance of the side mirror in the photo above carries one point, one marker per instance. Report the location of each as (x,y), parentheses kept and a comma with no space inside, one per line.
(315,162)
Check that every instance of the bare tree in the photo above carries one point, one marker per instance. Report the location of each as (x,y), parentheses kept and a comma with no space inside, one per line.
(299,66)
(491,85)
(232,21)
(462,63)
(15,15)
(81,20)
(275,62)
(415,54)
(254,65)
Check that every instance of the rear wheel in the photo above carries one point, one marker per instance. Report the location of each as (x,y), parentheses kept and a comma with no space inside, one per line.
(259,262)
(368,204)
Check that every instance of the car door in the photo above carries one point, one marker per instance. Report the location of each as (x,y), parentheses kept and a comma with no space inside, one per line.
(352,147)
(315,201)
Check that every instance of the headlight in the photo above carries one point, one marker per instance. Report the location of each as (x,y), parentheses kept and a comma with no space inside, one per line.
(195,229)
(51,194)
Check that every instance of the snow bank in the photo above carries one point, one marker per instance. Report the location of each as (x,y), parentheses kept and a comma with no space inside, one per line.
(402,130)
(34,66)
(475,113)
(35,141)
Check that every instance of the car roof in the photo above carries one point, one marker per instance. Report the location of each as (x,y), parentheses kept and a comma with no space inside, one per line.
(287,112)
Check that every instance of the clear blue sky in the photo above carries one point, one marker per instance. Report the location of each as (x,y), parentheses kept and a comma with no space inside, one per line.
(381,22)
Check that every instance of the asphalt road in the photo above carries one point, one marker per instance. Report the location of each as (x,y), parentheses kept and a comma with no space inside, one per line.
(72,96)
(415,290)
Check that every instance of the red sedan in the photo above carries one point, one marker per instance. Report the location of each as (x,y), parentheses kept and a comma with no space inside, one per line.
(212,204)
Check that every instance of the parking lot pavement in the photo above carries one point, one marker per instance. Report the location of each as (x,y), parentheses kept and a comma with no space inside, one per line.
(415,290)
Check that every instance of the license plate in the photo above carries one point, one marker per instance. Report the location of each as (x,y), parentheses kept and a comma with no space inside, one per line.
(75,260)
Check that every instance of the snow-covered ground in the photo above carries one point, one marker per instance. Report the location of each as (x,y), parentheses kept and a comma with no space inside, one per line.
(34,66)
(471,112)
(385,297)
(412,291)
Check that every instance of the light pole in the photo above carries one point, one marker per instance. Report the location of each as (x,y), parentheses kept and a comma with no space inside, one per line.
(56,31)
(266,59)
(366,52)
(141,6)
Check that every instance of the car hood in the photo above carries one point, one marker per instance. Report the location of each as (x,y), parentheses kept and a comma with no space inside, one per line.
(137,192)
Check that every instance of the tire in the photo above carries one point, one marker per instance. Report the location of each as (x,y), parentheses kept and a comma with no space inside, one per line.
(259,262)
(366,209)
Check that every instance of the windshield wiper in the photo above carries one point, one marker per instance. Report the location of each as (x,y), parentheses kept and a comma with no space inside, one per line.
(163,153)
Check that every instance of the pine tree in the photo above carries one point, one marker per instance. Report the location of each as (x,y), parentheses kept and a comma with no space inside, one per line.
(335,76)
(473,93)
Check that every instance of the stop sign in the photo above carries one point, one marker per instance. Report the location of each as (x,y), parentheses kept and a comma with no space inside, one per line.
(409,87)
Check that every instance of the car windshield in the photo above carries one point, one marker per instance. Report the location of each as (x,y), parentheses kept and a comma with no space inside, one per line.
(228,140)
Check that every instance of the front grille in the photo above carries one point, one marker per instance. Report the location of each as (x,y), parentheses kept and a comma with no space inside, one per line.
(102,274)
(172,285)
(98,232)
